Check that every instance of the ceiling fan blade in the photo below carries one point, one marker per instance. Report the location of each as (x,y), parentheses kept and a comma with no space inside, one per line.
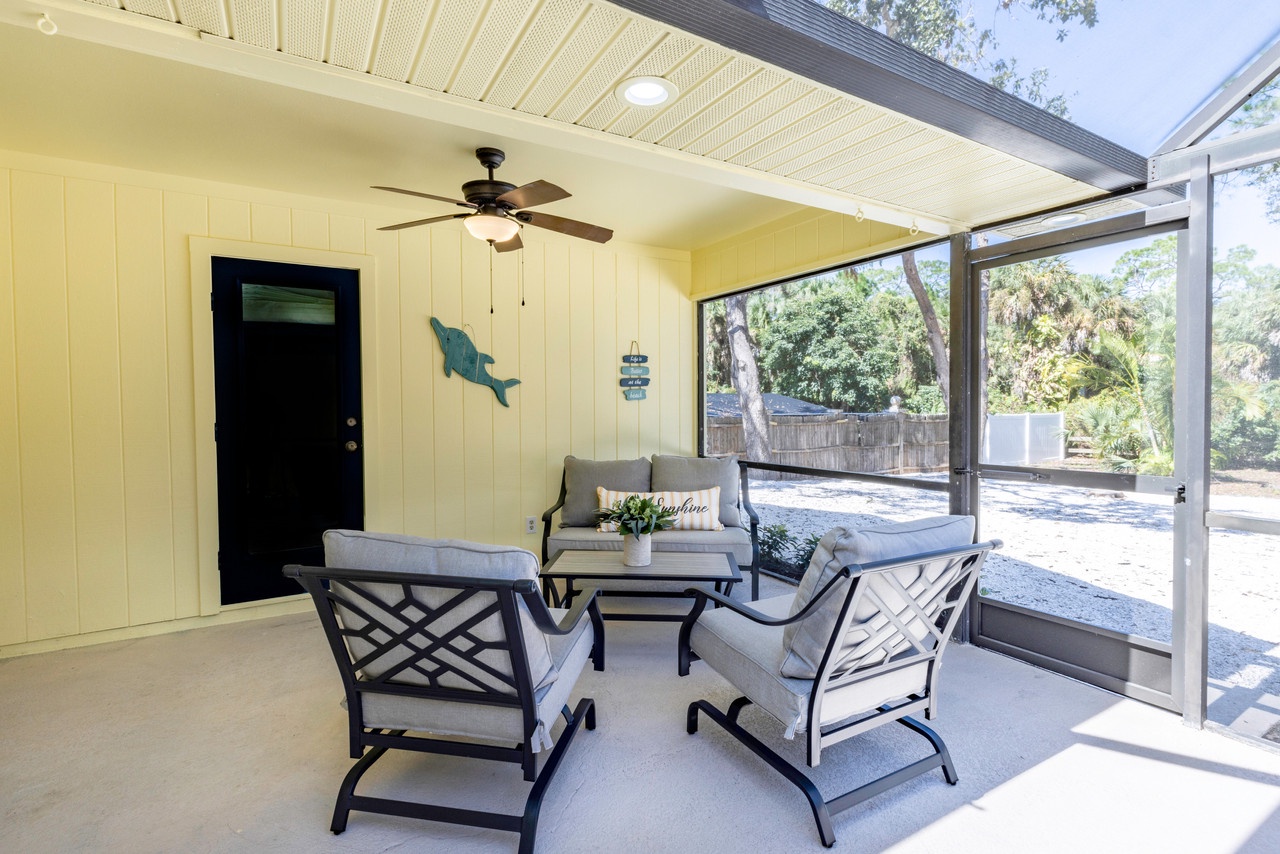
(571,227)
(537,193)
(510,245)
(424,196)
(426,221)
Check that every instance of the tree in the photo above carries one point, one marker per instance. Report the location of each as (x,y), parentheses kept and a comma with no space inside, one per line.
(827,348)
(947,31)
(933,329)
(746,379)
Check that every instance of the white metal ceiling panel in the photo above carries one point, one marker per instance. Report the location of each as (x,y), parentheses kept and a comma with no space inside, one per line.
(816,122)
(772,100)
(302,28)
(742,100)
(449,36)
(692,71)
(402,28)
(573,56)
(354,23)
(662,57)
(720,86)
(489,50)
(254,22)
(208,16)
(795,111)
(161,9)
(562,59)
(821,145)
(550,22)
(602,77)
(847,154)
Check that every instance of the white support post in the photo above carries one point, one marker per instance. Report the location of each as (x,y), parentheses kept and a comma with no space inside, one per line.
(1191,451)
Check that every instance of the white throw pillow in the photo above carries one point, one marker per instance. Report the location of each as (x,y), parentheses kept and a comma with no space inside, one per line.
(696,510)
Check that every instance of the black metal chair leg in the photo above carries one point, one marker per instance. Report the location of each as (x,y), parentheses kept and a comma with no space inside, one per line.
(585,711)
(342,810)
(821,815)
(944,755)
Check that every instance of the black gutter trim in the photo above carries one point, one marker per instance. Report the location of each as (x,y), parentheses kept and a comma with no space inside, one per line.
(810,40)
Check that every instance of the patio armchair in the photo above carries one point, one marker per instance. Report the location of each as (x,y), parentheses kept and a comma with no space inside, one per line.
(858,645)
(451,641)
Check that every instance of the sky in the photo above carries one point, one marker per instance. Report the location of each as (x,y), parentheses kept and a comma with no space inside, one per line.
(1146,66)
(1136,76)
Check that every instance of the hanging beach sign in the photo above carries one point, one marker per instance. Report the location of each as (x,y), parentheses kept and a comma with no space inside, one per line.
(635,376)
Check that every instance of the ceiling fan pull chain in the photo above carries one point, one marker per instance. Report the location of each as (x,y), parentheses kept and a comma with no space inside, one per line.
(491,251)
(521,273)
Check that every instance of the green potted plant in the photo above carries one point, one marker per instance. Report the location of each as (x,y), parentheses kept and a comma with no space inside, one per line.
(637,517)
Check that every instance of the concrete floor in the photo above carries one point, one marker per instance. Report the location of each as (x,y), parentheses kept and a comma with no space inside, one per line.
(231,738)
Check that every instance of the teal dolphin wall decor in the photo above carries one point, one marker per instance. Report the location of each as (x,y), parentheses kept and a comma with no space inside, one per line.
(461,355)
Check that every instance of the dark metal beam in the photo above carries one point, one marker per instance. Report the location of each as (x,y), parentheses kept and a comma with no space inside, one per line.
(807,39)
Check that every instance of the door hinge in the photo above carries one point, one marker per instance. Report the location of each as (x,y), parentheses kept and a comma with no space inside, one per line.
(211,298)
(962,471)
(215,431)
(1180,494)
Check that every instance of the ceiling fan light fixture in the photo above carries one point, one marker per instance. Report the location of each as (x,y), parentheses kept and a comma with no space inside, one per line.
(491,227)
(646,91)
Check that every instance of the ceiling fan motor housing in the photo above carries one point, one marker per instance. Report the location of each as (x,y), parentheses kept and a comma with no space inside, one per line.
(484,191)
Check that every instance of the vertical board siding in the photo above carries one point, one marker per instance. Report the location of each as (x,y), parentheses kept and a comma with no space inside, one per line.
(97,422)
(184,214)
(794,245)
(144,392)
(99,497)
(13,596)
(44,405)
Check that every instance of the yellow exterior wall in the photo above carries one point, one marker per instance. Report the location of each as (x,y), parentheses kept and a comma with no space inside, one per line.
(104,520)
(792,246)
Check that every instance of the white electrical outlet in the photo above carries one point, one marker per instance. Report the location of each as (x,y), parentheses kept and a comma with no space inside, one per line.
(531,524)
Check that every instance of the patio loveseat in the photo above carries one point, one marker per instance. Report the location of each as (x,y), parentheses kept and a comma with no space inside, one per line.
(578,502)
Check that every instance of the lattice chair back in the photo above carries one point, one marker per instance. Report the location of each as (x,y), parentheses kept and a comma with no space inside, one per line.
(456,630)
(446,647)
(895,622)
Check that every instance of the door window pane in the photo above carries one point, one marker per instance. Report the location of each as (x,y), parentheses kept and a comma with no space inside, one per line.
(1079,364)
(272,304)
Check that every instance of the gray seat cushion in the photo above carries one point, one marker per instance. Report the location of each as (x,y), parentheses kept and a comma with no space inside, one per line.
(581,477)
(750,655)
(683,474)
(736,539)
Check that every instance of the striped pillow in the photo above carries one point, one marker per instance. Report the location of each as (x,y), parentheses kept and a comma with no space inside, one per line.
(697,510)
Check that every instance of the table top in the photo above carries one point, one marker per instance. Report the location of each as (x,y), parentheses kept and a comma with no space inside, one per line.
(665,566)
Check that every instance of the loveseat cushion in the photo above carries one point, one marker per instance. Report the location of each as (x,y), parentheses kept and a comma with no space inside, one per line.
(681,474)
(736,539)
(582,477)
(403,553)
(806,641)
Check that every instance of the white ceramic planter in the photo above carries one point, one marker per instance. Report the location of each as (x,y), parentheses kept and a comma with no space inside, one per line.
(637,550)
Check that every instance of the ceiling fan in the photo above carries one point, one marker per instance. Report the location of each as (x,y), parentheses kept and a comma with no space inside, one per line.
(499,208)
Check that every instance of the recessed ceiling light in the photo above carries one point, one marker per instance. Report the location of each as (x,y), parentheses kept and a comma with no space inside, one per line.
(1063,219)
(646,91)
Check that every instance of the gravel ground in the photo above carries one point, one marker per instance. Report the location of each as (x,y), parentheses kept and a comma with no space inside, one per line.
(1099,557)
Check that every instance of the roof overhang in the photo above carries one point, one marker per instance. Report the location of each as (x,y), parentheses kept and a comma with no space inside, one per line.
(768,117)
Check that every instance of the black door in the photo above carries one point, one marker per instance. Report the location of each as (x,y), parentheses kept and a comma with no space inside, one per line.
(287,389)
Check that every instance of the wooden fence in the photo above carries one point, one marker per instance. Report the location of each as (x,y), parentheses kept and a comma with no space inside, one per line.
(880,443)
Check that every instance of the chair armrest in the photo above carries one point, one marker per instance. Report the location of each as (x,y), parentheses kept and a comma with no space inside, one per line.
(700,603)
(542,617)
(744,495)
(546,518)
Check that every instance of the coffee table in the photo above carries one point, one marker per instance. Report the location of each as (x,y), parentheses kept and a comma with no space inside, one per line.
(691,568)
